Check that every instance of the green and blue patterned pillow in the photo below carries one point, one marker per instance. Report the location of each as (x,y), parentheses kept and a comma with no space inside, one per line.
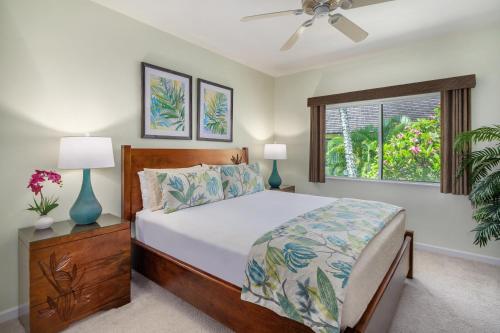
(189,189)
(241,179)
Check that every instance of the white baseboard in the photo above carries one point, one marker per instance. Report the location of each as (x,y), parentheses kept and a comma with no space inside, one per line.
(459,254)
(9,314)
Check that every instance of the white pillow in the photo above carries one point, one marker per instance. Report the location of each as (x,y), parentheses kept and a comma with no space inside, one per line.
(153,185)
(144,189)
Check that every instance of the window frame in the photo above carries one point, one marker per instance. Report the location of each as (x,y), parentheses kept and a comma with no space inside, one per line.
(380,175)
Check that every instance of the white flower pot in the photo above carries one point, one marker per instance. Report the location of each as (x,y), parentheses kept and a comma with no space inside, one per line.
(44,222)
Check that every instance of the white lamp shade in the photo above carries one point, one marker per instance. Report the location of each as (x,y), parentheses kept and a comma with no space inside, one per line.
(85,152)
(275,151)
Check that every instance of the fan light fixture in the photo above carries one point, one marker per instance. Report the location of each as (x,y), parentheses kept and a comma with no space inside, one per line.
(322,8)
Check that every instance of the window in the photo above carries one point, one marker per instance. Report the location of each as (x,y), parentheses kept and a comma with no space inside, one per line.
(394,139)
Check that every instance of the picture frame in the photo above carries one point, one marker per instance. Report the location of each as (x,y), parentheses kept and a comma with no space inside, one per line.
(166,103)
(215,112)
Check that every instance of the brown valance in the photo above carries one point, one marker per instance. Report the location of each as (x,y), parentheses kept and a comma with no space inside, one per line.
(455,119)
(451,83)
(317,144)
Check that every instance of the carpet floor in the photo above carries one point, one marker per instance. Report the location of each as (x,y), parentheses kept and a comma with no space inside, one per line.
(447,295)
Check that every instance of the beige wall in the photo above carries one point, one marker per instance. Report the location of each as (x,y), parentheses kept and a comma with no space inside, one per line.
(71,67)
(441,220)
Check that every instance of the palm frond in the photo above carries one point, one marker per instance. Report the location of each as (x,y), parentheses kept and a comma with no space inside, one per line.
(485,177)
(485,190)
(486,133)
(488,212)
(481,162)
(486,231)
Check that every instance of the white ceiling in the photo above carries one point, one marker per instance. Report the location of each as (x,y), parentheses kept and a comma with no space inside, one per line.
(215,25)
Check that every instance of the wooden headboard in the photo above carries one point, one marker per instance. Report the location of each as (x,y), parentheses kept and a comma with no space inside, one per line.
(136,159)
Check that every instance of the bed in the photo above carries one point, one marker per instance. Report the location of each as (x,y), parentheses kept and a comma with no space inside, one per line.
(186,257)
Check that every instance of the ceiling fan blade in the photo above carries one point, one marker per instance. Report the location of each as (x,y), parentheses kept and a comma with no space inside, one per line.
(274,14)
(347,27)
(350,4)
(295,37)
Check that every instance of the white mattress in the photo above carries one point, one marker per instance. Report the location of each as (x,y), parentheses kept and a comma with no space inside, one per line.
(217,238)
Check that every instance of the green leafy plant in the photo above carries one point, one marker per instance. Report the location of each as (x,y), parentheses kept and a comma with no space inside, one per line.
(412,152)
(485,178)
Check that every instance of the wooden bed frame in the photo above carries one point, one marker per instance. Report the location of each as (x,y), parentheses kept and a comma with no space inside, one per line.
(221,299)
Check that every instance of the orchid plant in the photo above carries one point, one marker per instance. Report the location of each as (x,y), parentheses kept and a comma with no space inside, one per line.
(46,204)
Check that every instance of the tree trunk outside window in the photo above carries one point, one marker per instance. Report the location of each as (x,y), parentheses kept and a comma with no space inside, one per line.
(346,132)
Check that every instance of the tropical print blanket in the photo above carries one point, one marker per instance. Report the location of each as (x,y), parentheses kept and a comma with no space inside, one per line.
(300,270)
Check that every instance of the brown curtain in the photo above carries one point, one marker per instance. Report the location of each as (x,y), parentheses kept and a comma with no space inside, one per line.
(455,119)
(317,145)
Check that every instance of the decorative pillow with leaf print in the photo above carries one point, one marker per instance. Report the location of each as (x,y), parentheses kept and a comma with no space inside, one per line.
(189,189)
(238,180)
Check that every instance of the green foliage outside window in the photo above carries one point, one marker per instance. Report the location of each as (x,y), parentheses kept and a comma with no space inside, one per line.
(411,150)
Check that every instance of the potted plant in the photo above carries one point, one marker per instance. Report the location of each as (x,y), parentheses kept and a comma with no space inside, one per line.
(46,204)
(485,178)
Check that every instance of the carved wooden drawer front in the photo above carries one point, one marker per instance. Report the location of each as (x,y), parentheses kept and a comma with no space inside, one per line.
(92,260)
(68,277)
(69,308)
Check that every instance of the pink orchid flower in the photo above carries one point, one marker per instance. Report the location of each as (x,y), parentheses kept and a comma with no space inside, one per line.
(40,176)
(46,204)
(54,177)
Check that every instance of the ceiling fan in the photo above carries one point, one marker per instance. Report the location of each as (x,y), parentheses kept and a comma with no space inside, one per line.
(322,8)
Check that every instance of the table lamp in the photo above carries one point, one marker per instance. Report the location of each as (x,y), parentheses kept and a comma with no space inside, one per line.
(275,151)
(85,153)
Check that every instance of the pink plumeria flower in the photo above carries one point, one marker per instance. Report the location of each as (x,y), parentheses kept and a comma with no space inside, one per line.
(415,150)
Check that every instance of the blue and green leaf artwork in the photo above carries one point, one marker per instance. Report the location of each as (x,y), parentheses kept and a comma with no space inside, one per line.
(215,118)
(215,112)
(168,106)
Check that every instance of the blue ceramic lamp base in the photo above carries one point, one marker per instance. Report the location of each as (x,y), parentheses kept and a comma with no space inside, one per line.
(86,209)
(275,179)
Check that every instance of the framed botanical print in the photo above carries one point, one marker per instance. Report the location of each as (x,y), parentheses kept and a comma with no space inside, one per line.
(215,112)
(166,103)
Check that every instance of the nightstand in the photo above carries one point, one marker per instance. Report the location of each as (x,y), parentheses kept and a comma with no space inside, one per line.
(284,188)
(69,271)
